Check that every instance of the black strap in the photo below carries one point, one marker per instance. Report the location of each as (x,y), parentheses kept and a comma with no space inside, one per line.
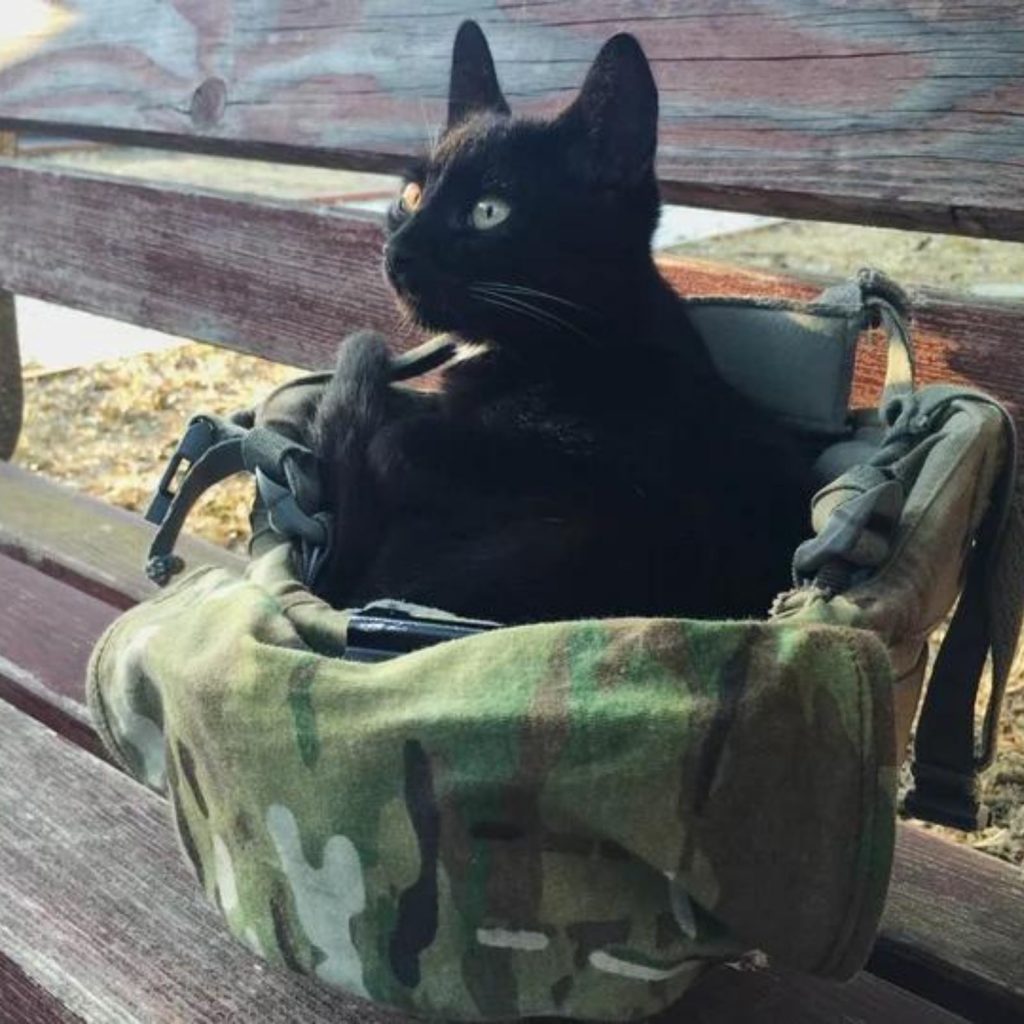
(987,621)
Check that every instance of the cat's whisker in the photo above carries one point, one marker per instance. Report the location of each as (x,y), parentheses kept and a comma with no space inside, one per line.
(518,305)
(527,307)
(433,132)
(524,290)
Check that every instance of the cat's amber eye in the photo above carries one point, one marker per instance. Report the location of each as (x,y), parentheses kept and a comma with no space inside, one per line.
(411,197)
(489,213)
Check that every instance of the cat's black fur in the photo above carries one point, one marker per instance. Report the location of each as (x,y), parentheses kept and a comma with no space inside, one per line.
(588,461)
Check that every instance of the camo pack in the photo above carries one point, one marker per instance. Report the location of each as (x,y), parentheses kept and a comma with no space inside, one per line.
(566,818)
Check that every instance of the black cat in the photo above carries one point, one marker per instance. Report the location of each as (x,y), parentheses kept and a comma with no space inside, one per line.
(582,457)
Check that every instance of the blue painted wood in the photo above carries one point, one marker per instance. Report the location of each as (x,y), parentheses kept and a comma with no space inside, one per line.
(907,114)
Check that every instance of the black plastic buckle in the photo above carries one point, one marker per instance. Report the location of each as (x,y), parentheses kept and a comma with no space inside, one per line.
(199,436)
(946,797)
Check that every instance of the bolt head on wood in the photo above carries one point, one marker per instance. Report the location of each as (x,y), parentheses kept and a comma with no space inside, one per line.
(208,103)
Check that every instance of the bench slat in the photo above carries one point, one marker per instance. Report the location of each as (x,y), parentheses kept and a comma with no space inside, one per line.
(25,1002)
(278,279)
(979,343)
(83,851)
(47,631)
(953,927)
(287,281)
(907,114)
(92,546)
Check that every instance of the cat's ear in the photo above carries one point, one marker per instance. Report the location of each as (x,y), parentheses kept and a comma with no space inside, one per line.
(613,122)
(473,87)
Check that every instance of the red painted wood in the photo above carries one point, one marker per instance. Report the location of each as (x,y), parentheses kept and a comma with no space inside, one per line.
(907,114)
(283,280)
(47,631)
(89,545)
(288,281)
(978,343)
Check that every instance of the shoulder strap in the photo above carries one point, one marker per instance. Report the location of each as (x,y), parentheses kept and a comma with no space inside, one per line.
(947,758)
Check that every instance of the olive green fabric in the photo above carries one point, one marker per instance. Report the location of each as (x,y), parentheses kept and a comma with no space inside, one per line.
(565,818)
(925,488)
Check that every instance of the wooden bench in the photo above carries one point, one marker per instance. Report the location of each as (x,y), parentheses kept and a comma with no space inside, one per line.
(909,114)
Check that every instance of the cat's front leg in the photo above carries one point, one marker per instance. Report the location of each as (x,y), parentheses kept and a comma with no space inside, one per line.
(356,398)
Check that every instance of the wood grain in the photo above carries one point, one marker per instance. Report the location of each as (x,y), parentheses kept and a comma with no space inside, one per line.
(953,926)
(907,114)
(278,279)
(91,856)
(47,631)
(25,1002)
(288,281)
(91,546)
(12,396)
(980,343)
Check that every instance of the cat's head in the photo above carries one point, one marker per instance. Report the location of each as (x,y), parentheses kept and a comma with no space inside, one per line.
(516,229)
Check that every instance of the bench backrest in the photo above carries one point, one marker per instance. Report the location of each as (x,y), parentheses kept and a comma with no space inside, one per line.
(907,114)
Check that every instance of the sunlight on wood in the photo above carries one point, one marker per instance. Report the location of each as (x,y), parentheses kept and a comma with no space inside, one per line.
(27,25)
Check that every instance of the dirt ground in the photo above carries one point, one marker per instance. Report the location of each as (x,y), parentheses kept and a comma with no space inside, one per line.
(108,429)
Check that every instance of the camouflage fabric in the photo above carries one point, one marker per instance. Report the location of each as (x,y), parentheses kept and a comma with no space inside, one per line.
(564,818)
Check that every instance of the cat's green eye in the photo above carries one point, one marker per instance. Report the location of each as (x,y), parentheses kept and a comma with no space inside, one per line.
(489,213)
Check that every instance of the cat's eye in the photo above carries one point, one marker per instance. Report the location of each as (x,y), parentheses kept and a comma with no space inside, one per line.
(489,213)
(411,197)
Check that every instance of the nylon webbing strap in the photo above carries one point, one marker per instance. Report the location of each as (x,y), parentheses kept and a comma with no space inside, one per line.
(987,621)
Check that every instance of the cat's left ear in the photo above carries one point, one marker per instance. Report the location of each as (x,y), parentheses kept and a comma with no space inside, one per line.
(614,119)
(473,87)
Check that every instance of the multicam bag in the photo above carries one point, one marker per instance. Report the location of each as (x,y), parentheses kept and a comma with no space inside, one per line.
(573,818)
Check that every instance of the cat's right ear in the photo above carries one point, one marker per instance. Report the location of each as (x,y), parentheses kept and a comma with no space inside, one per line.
(473,87)
(612,125)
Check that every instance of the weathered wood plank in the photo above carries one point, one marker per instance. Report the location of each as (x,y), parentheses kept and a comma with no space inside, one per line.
(92,546)
(908,114)
(92,854)
(282,280)
(12,398)
(770,997)
(288,281)
(47,631)
(952,928)
(25,1002)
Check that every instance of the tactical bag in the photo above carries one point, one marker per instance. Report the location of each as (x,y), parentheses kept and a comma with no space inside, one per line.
(576,818)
